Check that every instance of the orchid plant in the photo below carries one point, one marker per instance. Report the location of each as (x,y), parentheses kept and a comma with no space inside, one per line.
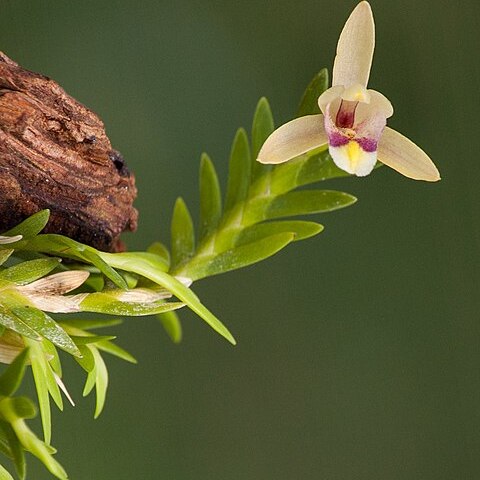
(40,294)
(353,120)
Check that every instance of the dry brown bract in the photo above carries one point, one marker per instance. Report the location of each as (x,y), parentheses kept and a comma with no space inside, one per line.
(54,154)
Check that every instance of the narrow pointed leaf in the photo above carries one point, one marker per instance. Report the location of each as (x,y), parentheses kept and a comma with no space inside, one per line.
(87,339)
(309,102)
(91,378)
(316,166)
(210,197)
(171,324)
(183,237)
(101,382)
(300,229)
(239,171)
(127,260)
(4,475)
(5,255)
(308,201)
(241,256)
(32,226)
(115,350)
(18,453)
(262,126)
(13,376)
(27,272)
(4,445)
(87,361)
(54,358)
(38,371)
(23,407)
(84,324)
(160,250)
(9,320)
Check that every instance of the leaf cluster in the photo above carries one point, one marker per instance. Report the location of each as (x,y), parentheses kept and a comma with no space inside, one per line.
(47,279)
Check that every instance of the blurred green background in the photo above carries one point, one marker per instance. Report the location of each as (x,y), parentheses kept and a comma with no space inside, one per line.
(358,354)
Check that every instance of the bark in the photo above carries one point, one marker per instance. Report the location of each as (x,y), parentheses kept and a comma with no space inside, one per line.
(55,154)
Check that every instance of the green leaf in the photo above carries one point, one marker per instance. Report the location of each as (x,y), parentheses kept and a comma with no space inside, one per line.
(239,171)
(27,272)
(5,255)
(4,475)
(9,320)
(303,202)
(115,350)
(300,229)
(87,339)
(91,377)
(171,324)
(18,453)
(23,407)
(161,251)
(32,226)
(52,352)
(101,382)
(262,126)
(241,256)
(87,361)
(309,102)
(316,166)
(210,197)
(127,260)
(183,237)
(4,445)
(38,371)
(13,375)
(84,324)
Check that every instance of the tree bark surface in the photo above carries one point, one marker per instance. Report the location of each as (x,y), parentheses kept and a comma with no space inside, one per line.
(55,154)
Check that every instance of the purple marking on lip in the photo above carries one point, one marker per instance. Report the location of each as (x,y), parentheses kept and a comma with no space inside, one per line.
(336,139)
(368,144)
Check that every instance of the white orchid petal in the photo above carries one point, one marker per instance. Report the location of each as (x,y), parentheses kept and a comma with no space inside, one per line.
(355,48)
(353,159)
(4,239)
(381,103)
(294,138)
(57,283)
(329,96)
(401,154)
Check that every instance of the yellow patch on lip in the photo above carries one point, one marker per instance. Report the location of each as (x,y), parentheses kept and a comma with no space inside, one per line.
(354,153)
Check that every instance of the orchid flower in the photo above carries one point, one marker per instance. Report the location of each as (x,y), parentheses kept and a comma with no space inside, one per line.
(353,119)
